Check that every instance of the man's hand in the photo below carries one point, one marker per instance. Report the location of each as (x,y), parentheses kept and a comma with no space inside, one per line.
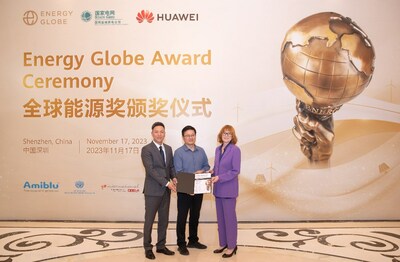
(172,185)
(314,132)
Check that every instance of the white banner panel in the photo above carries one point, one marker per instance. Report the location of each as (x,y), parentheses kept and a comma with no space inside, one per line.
(82,82)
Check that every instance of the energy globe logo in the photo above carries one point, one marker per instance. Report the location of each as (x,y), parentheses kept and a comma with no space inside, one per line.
(86,16)
(79,184)
(30,17)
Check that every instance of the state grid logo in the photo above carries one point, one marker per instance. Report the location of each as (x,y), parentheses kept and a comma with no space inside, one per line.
(86,16)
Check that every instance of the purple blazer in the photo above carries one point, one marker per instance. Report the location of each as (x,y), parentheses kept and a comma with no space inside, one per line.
(227,168)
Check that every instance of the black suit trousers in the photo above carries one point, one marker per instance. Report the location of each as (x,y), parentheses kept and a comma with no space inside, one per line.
(188,204)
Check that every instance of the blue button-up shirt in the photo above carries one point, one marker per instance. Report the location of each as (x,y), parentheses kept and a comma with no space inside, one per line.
(186,160)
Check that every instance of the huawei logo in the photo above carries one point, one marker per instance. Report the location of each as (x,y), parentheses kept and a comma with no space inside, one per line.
(145,15)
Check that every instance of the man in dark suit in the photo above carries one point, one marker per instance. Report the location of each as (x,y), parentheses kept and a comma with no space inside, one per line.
(160,179)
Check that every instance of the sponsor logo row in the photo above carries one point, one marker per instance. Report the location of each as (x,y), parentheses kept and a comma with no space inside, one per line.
(79,188)
(103,17)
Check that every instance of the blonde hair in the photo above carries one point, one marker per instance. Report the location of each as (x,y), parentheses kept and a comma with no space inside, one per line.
(230,129)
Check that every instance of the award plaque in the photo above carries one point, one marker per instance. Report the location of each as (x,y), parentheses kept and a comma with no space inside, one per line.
(190,183)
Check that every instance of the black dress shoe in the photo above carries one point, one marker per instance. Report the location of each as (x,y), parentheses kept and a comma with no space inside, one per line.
(220,250)
(165,251)
(183,250)
(197,245)
(149,254)
(231,254)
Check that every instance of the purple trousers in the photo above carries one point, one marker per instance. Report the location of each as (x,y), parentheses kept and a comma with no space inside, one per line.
(227,222)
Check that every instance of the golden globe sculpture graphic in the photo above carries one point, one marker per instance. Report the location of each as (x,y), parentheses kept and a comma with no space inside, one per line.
(327,60)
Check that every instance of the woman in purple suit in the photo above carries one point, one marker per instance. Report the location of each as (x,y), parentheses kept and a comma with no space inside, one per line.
(226,189)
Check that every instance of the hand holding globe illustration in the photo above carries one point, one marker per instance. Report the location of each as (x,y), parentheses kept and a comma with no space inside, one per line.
(327,60)
(314,133)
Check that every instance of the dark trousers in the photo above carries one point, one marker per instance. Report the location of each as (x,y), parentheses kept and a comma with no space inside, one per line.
(156,205)
(188,203)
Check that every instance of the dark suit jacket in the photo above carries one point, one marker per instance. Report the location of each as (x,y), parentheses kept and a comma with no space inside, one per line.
(157,174)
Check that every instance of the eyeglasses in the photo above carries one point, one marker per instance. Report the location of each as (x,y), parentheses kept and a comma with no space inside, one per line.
(227,134)
(189,136)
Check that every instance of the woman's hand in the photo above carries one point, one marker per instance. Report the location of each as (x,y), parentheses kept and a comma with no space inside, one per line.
(214,179)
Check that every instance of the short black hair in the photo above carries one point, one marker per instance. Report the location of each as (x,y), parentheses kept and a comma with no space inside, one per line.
(186,128)
(157,124)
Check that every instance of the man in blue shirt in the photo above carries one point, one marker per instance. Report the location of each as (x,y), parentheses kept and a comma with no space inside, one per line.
(192,159)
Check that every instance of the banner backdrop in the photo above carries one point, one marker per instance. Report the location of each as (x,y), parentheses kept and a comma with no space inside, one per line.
(83,81)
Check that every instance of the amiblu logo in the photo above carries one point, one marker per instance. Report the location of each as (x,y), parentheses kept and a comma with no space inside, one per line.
(41,185)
